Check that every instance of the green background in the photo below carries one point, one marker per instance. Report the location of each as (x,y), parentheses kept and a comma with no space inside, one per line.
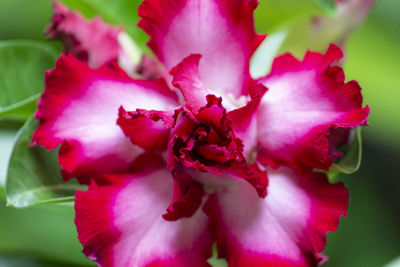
(45,235)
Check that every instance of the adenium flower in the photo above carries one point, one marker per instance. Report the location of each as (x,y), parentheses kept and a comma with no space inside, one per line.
(93,41)
(98,43)
(206,155)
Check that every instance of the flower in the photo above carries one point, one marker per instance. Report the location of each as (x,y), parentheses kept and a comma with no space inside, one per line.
(95,42)
(206,155)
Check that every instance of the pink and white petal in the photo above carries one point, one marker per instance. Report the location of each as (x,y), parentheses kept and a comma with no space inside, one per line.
(93,41)
(187,79)
(79,111)
(305,101)
(221,31)
(287,228)
(121,224)
(239,171)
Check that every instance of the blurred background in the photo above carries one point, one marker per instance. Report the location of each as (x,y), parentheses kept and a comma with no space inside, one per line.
(45,235)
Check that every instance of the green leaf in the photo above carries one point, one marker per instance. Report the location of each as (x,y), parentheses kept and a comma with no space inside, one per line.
(22,76)
(7,137)
(351,160)
(328,5)
(43,233)
(24,19)
(33,174)
(117,12)
(394,263)
(18,260)
(22,110)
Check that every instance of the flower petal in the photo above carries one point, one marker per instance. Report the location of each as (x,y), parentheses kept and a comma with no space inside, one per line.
(244,120)
(187,80)
(79,110)
(187,197)
(147,129)
(121,224)
(204,142)
(305,103)
(93,41)
(221,31)
(287,228)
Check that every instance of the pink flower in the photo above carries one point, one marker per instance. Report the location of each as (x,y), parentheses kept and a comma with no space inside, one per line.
(93,41)
(206,155)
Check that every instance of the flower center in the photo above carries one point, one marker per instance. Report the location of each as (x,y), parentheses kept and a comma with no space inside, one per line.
(205,148)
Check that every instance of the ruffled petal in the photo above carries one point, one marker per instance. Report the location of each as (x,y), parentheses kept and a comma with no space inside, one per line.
(93,41)
(204,140)
(203,150)
(187,197)
(306,102)
(147,129)
(221,31)
(244,121)
(187,79)
(287,228)
(79,110)
(121,224)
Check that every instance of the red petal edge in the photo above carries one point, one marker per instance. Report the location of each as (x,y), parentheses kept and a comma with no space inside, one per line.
(117,223)
(287,228)
(74,92)
(307,146)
